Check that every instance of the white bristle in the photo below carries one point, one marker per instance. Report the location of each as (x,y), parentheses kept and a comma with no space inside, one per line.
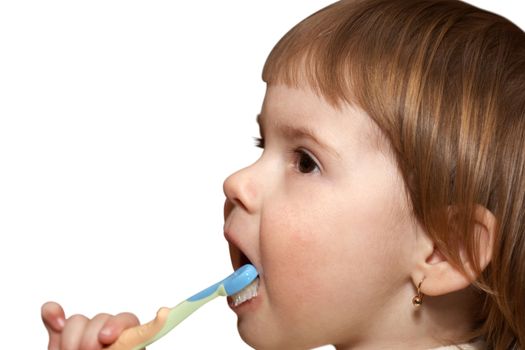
(246,294)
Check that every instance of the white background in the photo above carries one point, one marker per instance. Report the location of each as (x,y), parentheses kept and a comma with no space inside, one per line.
(119,121)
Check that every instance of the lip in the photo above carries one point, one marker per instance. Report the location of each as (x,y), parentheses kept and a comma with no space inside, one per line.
(238,253)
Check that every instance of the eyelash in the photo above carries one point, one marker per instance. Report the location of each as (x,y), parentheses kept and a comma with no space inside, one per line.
(300,154)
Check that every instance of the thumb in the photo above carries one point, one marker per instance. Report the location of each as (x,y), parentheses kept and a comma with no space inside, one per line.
(132,337)
(54,321)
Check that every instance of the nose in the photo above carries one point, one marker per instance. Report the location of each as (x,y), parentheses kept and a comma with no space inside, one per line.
(241,189)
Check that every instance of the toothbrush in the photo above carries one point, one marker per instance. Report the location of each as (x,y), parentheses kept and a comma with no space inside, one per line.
(138,337)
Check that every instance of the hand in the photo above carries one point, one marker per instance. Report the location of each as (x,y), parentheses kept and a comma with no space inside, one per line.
(78,332)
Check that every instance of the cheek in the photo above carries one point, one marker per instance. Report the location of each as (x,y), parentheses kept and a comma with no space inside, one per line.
(289,243)
(316,253)
(303,258)
(291,247)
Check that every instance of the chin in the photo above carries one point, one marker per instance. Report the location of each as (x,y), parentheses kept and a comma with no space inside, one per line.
(261,340)
(258,339)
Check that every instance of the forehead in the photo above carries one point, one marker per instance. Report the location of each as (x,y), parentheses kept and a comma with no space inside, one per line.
(303,108)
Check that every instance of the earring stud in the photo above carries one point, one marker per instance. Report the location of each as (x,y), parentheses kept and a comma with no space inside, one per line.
(418,299)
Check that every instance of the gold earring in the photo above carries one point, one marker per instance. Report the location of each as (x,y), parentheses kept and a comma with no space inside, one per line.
(418,299)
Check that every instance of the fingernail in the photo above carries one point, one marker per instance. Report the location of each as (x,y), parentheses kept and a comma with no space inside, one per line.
(106,332)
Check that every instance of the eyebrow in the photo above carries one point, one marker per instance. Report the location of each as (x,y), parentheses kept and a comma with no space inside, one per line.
(298,132)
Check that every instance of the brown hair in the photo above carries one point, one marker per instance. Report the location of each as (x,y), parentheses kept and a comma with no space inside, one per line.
(445,82)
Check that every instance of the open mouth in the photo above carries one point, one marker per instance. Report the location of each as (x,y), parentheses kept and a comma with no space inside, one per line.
(244,259)
(237,256)
(248,293)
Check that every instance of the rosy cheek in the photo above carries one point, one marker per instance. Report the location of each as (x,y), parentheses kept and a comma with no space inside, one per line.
(292,254)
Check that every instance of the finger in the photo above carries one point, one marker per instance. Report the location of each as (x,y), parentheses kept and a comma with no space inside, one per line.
(115,325)
(54,321)
(73,331)
(137,336)
(90,337)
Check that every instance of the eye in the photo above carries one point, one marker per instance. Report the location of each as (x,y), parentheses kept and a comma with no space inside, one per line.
(305,163)
(259,142)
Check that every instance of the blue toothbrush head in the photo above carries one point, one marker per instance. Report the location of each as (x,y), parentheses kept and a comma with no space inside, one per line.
(240,279)
(234,283)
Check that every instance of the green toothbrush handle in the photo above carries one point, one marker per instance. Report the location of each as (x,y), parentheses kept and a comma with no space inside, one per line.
(138,337)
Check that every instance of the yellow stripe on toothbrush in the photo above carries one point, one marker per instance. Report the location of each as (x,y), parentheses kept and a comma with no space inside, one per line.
(133,337)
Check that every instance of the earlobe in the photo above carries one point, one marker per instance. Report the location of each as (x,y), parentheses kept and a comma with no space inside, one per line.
(441,276)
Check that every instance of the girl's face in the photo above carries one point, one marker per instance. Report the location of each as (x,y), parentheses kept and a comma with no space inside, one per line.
(324,217)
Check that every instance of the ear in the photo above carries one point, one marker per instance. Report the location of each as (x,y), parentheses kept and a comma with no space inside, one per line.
(440,276)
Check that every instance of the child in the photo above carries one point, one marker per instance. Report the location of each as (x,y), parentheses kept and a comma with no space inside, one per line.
(387,210)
